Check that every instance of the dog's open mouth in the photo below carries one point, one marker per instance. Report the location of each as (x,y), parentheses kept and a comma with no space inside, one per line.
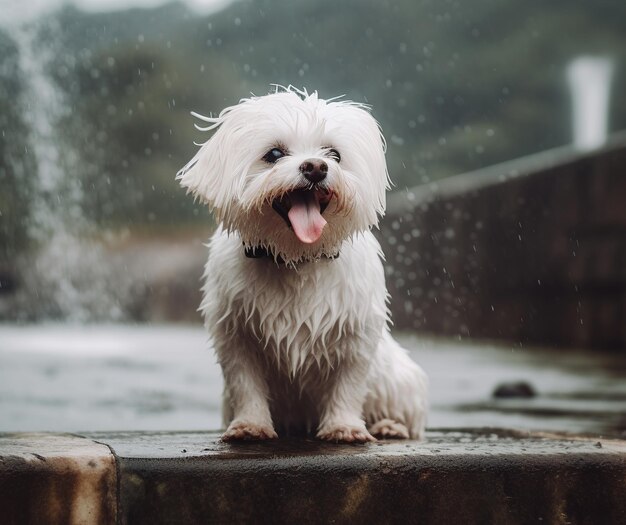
(302,210)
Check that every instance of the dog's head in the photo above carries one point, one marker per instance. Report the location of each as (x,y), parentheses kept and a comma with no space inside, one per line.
(292,173)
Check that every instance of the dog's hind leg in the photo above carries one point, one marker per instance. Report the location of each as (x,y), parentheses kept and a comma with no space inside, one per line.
(397,401)
(388,428)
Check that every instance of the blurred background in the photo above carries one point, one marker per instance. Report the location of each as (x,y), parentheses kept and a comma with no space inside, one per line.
(96,236)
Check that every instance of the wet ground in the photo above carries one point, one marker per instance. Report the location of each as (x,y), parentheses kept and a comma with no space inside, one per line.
(116,378)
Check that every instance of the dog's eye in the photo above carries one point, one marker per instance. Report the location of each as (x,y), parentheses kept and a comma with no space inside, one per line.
(273,155)
(334,154)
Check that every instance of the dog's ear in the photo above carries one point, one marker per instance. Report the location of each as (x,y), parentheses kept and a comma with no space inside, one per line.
(361,133)
(212,175)
(370,139)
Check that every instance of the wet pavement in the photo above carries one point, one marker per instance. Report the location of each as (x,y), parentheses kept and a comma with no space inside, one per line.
(117,378)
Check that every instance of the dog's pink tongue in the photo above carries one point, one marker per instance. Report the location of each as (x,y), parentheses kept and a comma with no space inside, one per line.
(305,216)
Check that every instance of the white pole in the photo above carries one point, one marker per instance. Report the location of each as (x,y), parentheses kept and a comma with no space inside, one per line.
(590,82)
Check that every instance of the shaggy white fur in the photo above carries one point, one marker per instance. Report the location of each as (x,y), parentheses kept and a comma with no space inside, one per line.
(302,333)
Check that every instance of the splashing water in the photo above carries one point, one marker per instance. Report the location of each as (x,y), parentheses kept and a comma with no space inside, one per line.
(64,276)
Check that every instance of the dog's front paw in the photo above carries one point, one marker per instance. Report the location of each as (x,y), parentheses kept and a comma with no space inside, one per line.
(388,428)
(345,434)
(247,431)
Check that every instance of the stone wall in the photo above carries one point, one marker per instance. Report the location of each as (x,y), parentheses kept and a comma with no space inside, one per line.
(533,250)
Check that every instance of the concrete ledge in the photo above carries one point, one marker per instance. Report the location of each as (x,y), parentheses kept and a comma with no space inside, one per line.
(56,478)
(457,476)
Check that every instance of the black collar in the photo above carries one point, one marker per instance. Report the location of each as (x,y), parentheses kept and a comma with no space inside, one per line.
(260,252)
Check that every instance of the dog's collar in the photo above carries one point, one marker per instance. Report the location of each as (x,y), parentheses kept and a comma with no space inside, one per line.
(260,252)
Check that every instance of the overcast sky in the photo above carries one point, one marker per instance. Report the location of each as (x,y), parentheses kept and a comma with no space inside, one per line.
(15,11)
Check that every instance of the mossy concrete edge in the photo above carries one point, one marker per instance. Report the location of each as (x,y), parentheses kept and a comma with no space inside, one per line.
(50,478)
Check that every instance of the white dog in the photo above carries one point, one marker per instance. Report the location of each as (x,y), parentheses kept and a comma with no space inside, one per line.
(294,294)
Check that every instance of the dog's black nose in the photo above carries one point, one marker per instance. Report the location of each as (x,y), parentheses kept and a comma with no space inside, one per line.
(314,170)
